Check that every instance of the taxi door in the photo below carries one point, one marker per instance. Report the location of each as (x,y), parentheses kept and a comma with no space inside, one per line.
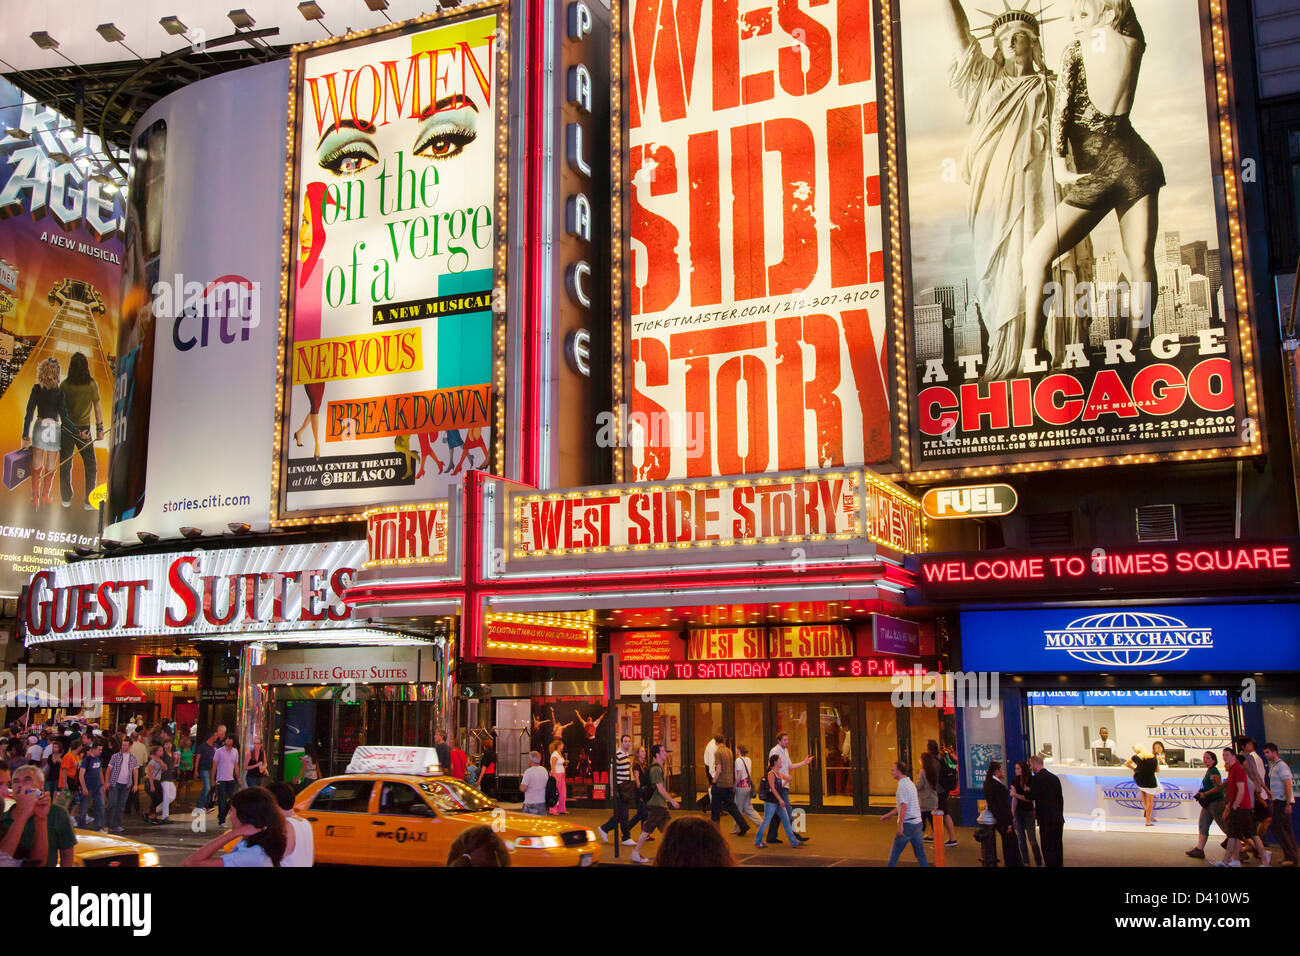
(406,831)
(340,820)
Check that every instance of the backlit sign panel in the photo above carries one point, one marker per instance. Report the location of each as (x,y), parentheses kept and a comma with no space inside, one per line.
(1177,638)
(998,574)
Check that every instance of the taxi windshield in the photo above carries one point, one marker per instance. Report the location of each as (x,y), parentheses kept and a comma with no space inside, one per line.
(452,796)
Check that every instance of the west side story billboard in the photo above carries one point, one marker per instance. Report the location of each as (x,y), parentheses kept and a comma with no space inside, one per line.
(756,322)
(840,218)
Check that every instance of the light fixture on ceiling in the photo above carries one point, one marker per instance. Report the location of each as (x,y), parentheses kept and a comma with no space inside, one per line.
(15,132)
(241,19)
(379,6)
(44,40)
(112,34)
(311,10)
(239,527)
(109,545)
(191,533)
(147,537)
(59,156)
(83,552)
(173,26)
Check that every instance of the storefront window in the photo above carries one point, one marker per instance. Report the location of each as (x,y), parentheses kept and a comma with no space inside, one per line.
(1282,727)
(792,719)
(1103,727)
(836,762)
(882,752)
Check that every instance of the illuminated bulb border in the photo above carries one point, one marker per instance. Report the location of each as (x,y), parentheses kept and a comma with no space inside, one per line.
(282,386)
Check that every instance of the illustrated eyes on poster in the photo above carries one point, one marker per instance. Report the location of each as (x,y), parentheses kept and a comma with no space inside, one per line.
(445,132)
(346,151)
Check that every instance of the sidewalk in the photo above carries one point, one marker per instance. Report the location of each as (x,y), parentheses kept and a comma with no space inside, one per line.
(865,841)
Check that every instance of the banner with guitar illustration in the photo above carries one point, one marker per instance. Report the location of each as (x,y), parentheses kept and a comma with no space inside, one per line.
(62,218)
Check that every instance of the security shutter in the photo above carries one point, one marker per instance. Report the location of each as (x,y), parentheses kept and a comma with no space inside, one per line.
(1156,523)
(1050,530)
(1210,519)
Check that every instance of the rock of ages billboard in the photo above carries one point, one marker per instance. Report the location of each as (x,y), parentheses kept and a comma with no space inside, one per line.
(387,383)
(1071,293)
(756,318)
(61,226)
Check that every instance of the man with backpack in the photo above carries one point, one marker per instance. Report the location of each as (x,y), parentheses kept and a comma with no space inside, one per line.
(660,800)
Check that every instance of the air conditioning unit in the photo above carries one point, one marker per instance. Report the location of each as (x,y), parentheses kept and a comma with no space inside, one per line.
(1156,523)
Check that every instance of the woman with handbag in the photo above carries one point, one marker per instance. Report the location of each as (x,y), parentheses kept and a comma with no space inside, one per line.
(927,792)
(776,802)
(255,764)
(1210,797)
(43,424)
(1022,809)
(745,786)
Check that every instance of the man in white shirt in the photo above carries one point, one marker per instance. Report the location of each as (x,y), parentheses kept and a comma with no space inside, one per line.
(710,758)
(1103,739)
(908,809)
(783,764)
(34,750)
(533,784)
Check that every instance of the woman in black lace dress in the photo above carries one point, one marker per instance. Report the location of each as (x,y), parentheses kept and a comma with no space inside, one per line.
(1114,168)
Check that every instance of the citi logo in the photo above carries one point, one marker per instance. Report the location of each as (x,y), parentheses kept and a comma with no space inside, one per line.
(1126,639)
(75,909)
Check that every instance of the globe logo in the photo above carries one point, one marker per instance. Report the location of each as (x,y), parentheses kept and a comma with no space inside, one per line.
(1194,731)
(1128,639)
(1128,796)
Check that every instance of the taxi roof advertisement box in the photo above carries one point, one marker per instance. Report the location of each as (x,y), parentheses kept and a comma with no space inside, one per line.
(1074,297)
(392,356)
(757,321)
(61,246)
(192,417)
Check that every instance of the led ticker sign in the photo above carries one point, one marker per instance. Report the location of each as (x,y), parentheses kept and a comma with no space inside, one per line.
(760,670)
(831,506)
(1153,567)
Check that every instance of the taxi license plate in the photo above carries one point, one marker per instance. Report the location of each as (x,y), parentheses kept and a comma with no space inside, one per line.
(584,860)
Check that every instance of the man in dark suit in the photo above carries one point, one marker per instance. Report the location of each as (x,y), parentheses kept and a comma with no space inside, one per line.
(1049,808)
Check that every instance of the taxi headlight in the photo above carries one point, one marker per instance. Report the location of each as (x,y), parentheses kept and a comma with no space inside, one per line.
(536,842)
(150,858)
(591,836)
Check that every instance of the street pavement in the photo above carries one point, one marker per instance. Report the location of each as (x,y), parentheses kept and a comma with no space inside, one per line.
(836,840)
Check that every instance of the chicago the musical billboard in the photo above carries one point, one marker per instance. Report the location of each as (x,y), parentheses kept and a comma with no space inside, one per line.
(1077,291)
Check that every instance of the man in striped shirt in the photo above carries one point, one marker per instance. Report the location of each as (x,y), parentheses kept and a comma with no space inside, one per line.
(624,793)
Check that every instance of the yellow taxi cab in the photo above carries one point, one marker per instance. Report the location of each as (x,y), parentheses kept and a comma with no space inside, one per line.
(105,849)
(394,807)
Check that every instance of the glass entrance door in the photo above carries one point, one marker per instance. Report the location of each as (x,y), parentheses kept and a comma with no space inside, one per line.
(792,719)
(836,753)
(707,721)
(881,738)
